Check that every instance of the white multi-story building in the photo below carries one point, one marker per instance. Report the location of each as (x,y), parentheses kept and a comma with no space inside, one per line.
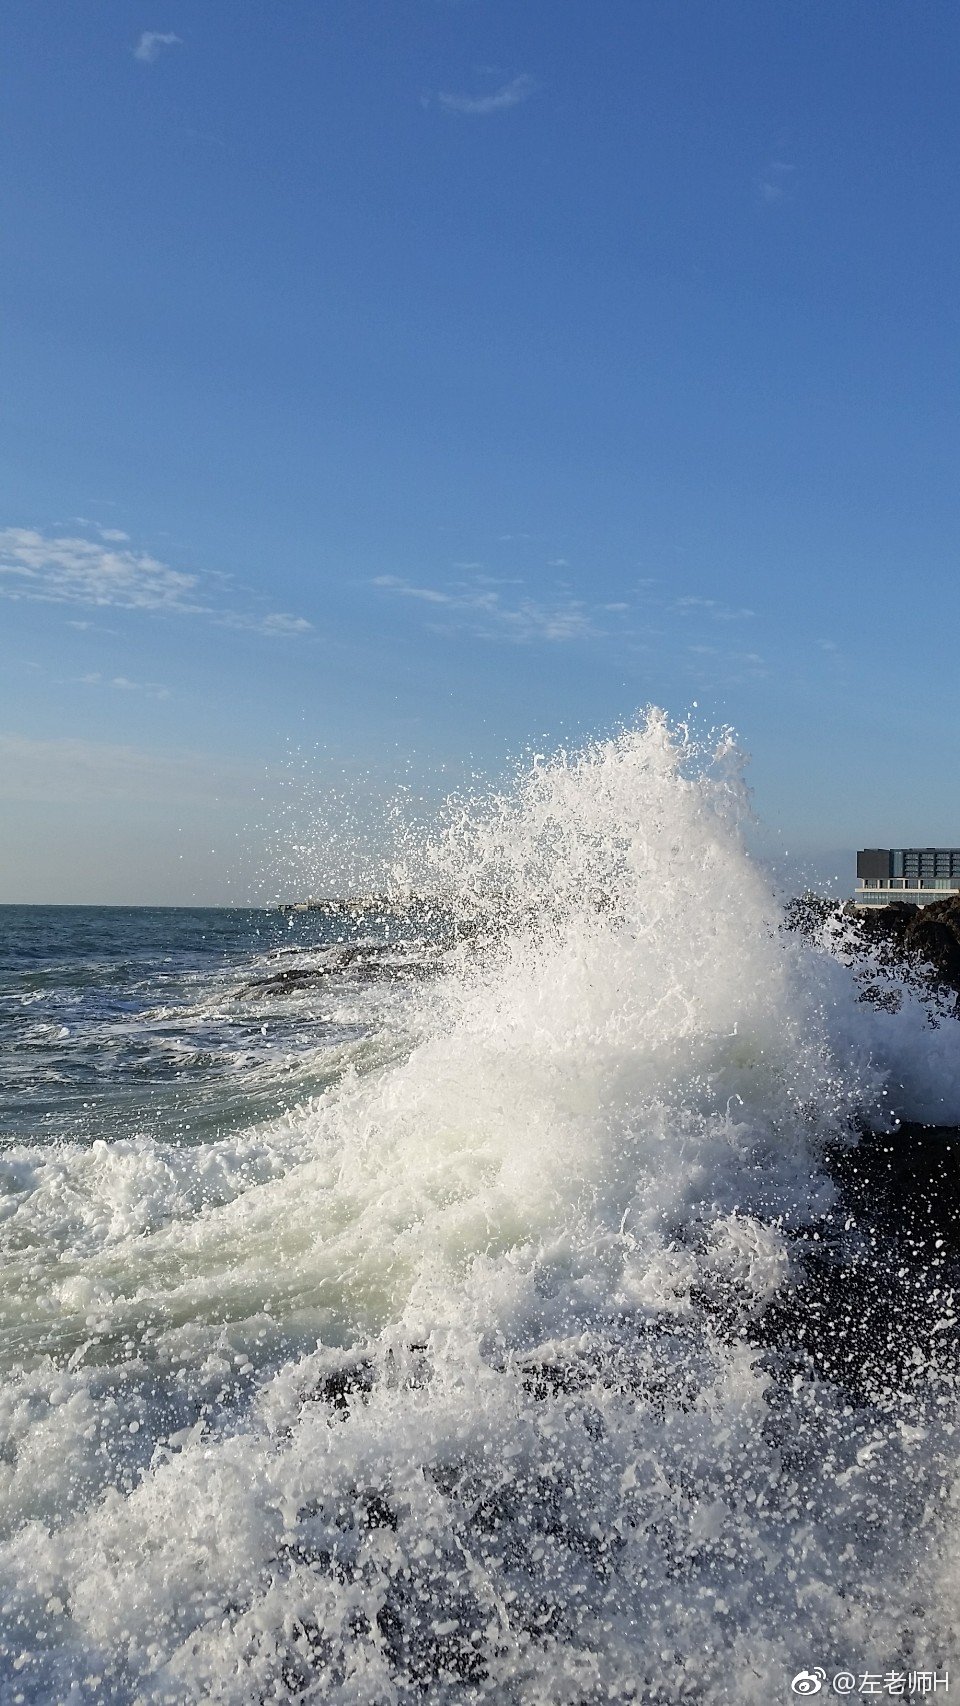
(915,875)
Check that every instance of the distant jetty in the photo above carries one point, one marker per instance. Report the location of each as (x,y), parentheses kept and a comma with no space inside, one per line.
(361,905)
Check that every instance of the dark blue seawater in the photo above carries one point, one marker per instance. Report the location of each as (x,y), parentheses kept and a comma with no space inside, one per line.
(175,1021)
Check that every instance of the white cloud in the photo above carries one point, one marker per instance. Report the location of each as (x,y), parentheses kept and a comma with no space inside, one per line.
(280,622)
(479,577)
(495,611)
(153,689)
(64,570)
(492,609)
(68,569)
(710,607)
(569,621)
(500,100)
(715,668)
(152,43)
(95,678)
(277,622)
(114,535)
(481,610)
(429,594)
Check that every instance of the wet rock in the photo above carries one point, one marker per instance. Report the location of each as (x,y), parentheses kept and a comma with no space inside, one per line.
(905,1183)
(363,968)
(876,1312)
(351,1383)
(922,943)
(294,978)
(929,935)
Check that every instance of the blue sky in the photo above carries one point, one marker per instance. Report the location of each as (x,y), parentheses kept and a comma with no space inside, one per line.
(398,384)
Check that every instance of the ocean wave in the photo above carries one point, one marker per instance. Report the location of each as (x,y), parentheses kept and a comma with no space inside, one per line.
(525,1363)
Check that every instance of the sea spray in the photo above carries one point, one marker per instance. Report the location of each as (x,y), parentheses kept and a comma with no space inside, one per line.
(475,1377)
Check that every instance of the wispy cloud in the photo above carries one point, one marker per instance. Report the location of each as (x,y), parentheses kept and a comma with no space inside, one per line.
(429,594)
(775,180)
(498,101)
(71,570)
(113,535)
(152,43)
(498,609)
(483,611)
(152,689)
(714,668)
(711,607)
(275,622)
(105,572)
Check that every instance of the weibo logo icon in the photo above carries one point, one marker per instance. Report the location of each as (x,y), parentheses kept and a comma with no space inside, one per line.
(808,1681)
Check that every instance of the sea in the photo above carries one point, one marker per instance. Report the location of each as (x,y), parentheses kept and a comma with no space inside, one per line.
(460,1300)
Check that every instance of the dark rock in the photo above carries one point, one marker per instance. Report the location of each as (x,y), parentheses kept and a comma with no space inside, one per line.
(917,946)
(364,967)
(905,1183)
(923,936)
(351,1382)
(877,1312)
(298,977)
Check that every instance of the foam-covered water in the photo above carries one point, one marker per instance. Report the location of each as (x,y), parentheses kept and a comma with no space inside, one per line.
(457,1379)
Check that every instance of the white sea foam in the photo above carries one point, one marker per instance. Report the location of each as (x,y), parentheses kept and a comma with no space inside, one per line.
(450,1384)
